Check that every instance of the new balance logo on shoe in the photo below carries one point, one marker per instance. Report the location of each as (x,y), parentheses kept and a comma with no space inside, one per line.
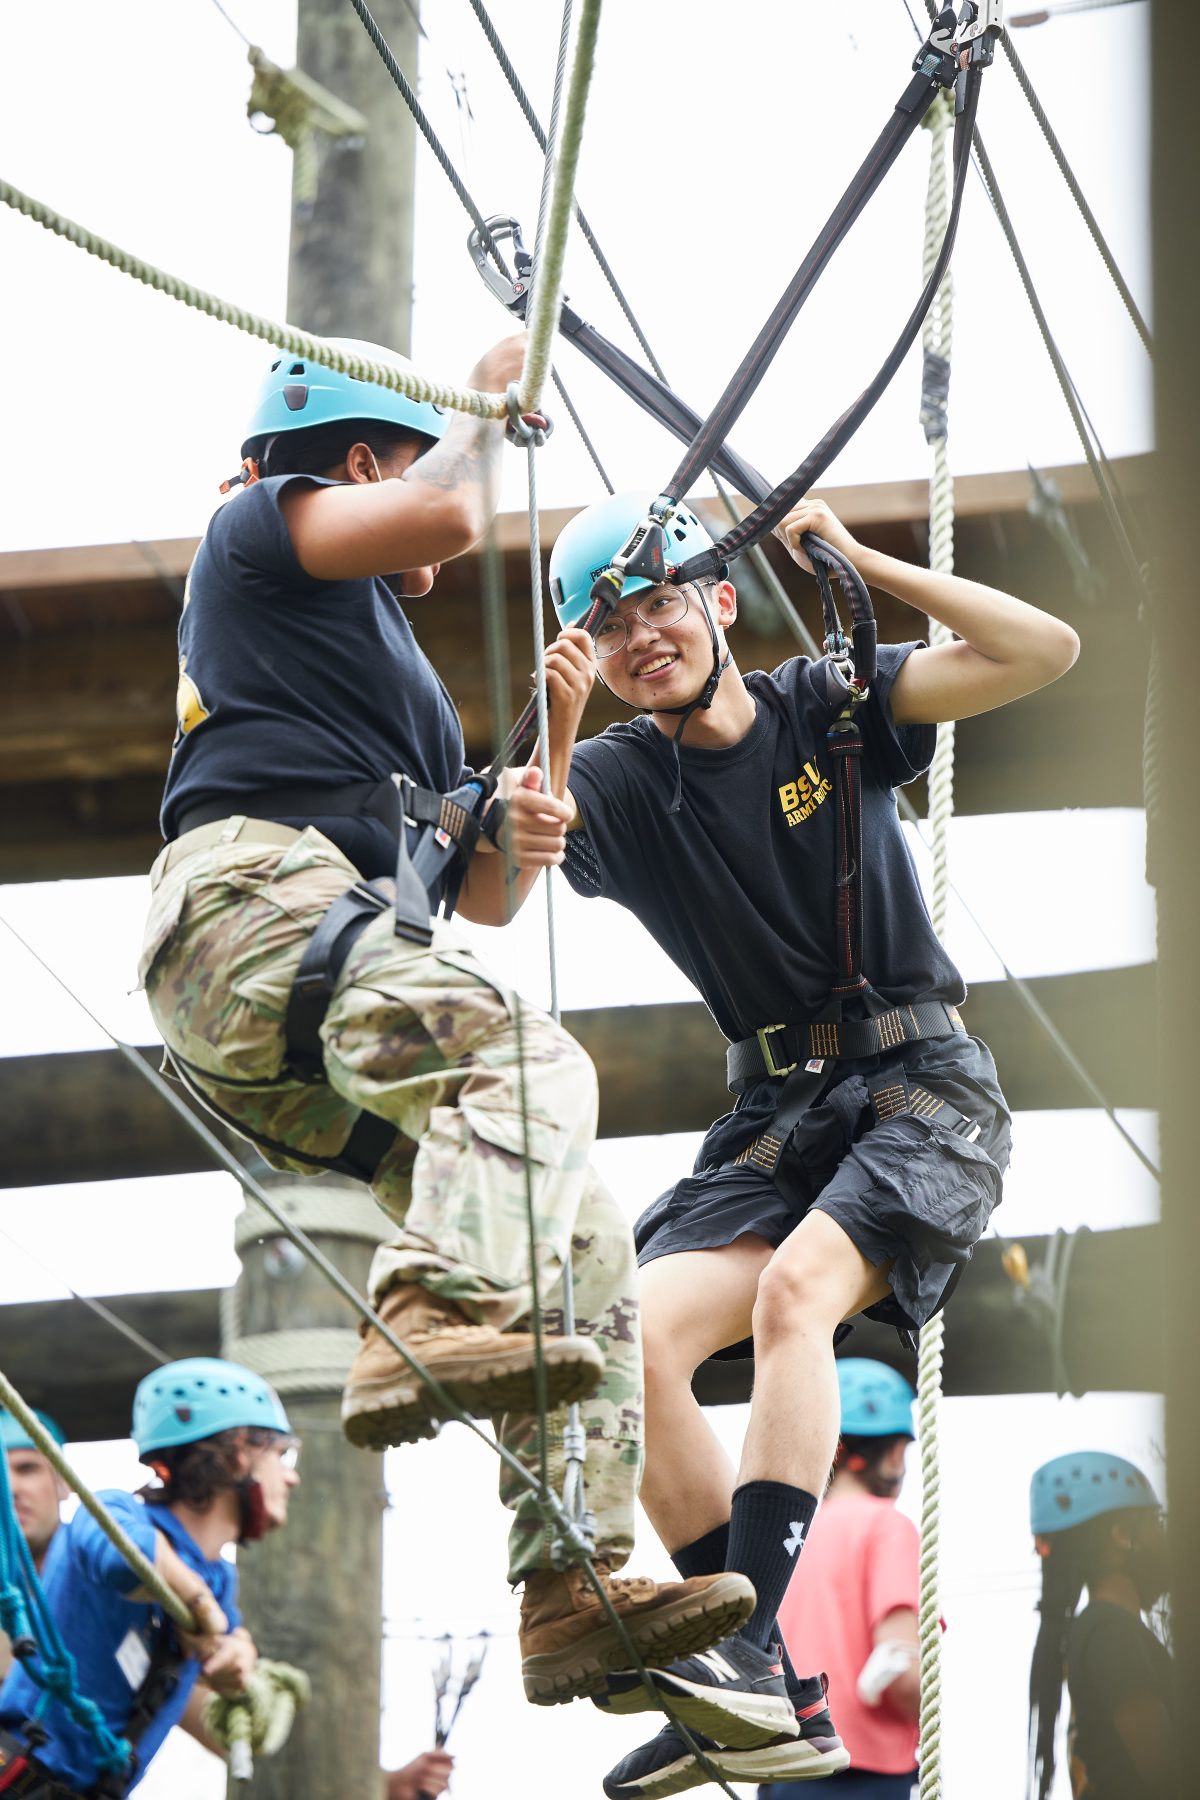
(716,1664)
(793,1543)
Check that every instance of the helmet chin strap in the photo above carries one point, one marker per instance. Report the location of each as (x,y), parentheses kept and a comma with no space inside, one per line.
(701,703)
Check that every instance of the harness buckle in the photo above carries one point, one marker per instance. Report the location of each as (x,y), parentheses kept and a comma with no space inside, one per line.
(977,36)
(772,1067)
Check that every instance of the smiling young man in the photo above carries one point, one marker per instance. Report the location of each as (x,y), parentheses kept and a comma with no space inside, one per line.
(714,818)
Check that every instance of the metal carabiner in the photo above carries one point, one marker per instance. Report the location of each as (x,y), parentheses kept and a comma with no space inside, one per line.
(511,292)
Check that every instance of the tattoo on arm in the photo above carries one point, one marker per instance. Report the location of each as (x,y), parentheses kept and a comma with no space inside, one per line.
(451,465)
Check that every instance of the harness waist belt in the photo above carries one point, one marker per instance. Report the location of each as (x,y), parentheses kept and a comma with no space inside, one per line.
(776,1050)
(230,830)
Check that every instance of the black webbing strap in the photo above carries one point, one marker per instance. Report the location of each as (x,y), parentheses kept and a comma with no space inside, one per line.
(779,1049)
(354,800)
(316,978)
(369,1141)
(845,745)
(449,830)
(891,1095)
(906,116)
(768,513)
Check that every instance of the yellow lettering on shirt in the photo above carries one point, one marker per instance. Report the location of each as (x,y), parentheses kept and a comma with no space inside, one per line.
(800,798)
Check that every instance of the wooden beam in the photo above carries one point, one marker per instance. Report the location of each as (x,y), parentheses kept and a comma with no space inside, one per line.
(66,1360)
(1008,492)
(87,1115)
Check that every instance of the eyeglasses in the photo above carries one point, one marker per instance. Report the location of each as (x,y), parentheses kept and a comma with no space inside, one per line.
(660,609)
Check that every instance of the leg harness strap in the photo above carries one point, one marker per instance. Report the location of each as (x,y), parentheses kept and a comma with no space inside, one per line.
(892,1094)
(312,990)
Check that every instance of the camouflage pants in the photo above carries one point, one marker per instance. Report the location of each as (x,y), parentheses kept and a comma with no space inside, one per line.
(424,1037)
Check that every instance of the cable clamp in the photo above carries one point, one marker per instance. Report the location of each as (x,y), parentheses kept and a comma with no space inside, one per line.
(527,430)
(982,25)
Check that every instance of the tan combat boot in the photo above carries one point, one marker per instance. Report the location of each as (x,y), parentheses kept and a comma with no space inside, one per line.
(569,1645)
(486,1371)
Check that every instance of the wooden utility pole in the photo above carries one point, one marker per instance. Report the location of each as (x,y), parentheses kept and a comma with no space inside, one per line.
(312,1594)
(350,271)
(1174,737)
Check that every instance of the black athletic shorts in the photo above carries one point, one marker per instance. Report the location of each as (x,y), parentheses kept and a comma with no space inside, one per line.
(908,1191)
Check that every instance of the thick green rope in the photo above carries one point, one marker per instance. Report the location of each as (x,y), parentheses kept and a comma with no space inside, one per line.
(546,303)
(141,1565)
(285,337)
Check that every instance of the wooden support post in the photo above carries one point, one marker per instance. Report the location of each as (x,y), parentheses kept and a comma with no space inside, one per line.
(350,272)
(1172,781)
(312,1594)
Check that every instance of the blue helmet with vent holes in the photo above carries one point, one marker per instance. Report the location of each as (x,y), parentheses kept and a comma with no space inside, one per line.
(297,394)
(1069,1490)
(185,1401)
(876,1399)
(586,547)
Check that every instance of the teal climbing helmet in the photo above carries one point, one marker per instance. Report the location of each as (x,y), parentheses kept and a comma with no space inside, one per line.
(1069,1490)
(876,1399)
(297,394)
(586,547)
(185,1401)
(13,1435)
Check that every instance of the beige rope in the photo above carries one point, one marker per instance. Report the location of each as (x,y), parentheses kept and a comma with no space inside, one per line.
(936,338)
(284,337)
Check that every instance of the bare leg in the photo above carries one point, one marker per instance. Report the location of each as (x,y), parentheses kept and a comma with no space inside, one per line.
(815,1279)
(692,1304)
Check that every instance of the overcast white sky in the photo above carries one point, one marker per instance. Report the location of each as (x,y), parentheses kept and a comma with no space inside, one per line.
(718,141)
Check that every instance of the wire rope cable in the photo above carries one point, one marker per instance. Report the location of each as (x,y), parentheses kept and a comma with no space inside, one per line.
(1115,505)
(555,221)
(1077,194)
(93,1305)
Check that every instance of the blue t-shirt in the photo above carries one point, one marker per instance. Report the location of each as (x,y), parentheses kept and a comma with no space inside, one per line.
(287,681)
(737,887)
(86,1582)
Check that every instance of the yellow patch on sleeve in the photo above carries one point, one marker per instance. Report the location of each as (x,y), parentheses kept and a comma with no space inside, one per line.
(189,707)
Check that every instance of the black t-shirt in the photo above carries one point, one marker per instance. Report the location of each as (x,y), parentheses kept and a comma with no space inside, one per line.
(287,681)
(1112,1657)
(737,887)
